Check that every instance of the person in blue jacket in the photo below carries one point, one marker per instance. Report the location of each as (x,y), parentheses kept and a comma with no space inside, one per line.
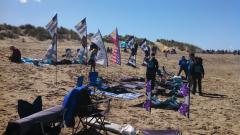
(182,66)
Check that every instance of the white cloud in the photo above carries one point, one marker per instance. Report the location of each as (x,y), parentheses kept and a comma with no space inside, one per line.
(23,1)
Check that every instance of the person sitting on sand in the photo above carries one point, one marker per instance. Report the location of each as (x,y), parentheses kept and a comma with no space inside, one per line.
(182,66)
(152,67)
(16,55)
(197,73)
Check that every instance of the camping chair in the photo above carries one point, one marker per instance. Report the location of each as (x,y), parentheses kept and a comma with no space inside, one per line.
(91,114)
(80,81)
(44,122)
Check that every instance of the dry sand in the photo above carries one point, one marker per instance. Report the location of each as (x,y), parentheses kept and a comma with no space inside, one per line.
(217,112)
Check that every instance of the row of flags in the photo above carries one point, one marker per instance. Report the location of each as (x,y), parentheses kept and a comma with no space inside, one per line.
(101,58)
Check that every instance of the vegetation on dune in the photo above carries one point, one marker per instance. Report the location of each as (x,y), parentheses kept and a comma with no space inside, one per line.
(107,38)
(180,45)
(40,33)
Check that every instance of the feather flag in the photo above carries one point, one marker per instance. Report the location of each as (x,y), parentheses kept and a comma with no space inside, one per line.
(147,104)
(132,57)
(81,28)
(145,46)
(51,55)
(184,108)
(101,57)
(52,26)
(132,61)
(130,43)
(116,56)
(146,49)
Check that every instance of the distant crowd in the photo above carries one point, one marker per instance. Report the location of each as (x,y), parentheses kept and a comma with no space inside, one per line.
(234,52)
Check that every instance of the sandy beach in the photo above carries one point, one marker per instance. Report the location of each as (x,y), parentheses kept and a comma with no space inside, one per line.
(217,112)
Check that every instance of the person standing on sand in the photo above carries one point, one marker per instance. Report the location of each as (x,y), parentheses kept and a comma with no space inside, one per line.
(92,58)
(182,66)
(197,73)
(152,67)
(189,65)
(16,55)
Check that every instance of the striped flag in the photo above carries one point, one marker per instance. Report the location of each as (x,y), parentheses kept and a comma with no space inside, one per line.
(81,28)
(52,26)
(51,55)
(116,56)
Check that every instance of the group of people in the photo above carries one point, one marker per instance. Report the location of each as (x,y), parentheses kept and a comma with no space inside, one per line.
(80,58)
(193,69)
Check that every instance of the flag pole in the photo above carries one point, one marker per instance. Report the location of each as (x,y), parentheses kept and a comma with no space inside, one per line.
(56,38)
(189,103)
(56,57)
(86,46)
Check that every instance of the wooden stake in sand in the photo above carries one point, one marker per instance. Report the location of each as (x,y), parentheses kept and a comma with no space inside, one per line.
(56,55)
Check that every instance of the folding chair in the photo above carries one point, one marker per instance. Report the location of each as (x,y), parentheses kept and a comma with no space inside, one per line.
(93,118)
(91,114)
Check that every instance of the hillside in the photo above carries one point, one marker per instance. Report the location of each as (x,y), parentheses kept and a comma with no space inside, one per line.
(180,45)
(41,34)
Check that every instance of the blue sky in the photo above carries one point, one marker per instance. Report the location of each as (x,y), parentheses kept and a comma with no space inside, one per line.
(210,24)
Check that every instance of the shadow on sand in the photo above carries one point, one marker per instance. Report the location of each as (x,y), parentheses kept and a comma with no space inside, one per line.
(165,107)
(213,95)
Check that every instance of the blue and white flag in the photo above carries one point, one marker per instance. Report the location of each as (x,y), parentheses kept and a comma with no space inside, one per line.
(133,47)
(52,26)
(144,45)
(130,43)
(81,28)
(51,55)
